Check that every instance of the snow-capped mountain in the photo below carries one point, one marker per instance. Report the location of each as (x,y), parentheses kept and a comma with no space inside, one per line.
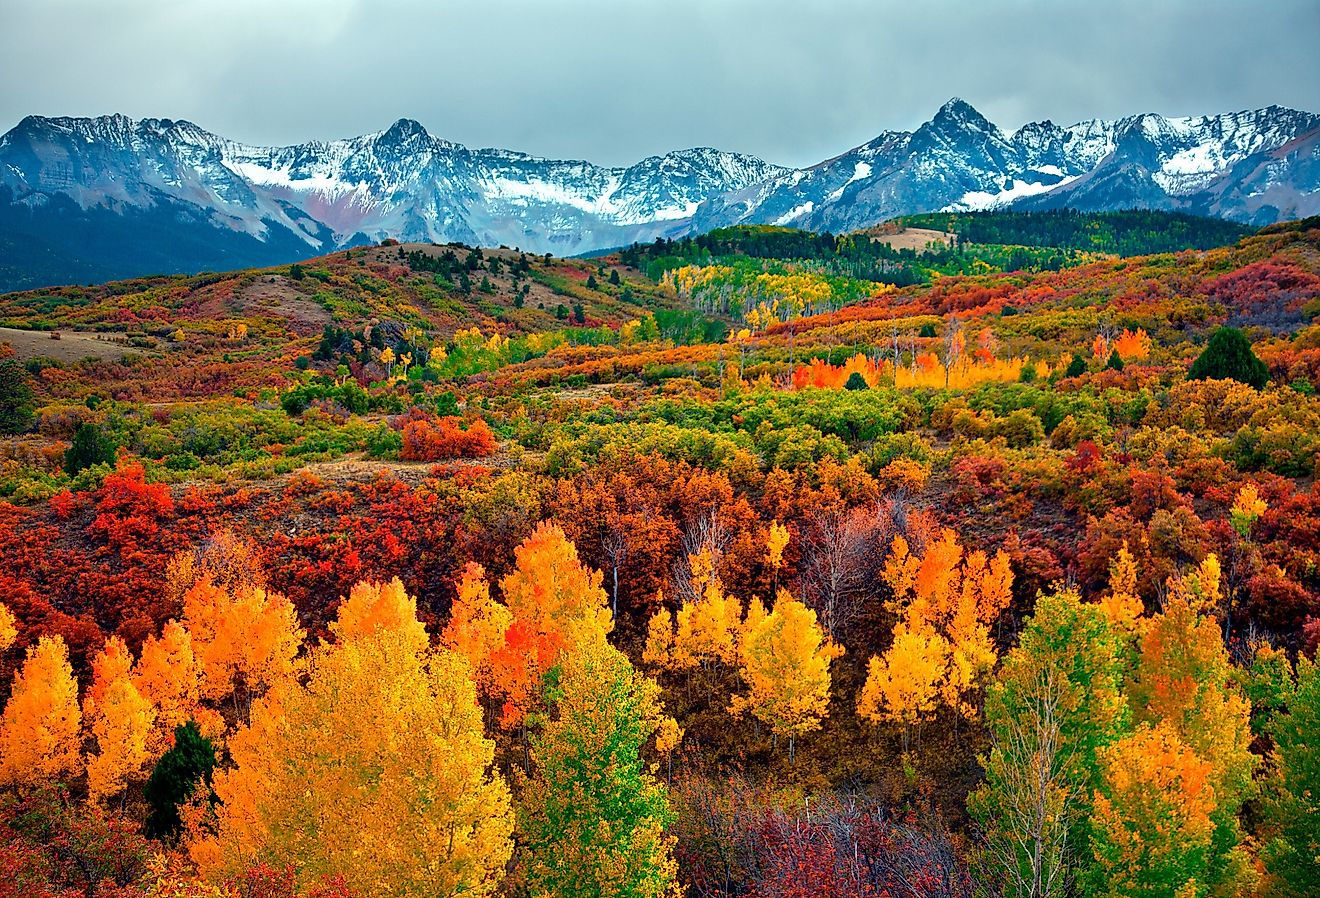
(108,197)
(960,161)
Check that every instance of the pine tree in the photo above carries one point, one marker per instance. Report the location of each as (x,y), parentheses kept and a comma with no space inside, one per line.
(184,768)
(1229,356)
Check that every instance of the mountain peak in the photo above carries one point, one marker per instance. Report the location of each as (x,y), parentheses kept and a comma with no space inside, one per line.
(403,131)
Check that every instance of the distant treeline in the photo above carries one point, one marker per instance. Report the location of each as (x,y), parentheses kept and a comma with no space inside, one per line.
(847,255)
(1133,232)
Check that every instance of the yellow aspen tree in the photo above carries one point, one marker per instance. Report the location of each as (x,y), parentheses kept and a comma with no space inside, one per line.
(39,733)
(375,769)
(903,685)
(786,668)
(166,675)
(8,628)
(1247,508)
(477,623)
(550,587)
(111,664)
(372,607)
(121,724)
(1185,682)
(947,600)
(1122,605)
(659,648)
(707,630)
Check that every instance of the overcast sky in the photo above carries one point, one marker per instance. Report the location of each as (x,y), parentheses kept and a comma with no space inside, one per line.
(613,80)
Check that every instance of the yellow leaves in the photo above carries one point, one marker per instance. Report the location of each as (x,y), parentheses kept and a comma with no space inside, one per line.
(8,628)
(550,588)
(1122,606)
(477,623)
(372,607)
(39,731)
(1247,509)
(775,542)
(167,676)
(786,667)
(707,629)
(120,720)
(942,645)
(1152,814)
(1199,587)
(902,686)
(668,736)
(659,638)
(376,769)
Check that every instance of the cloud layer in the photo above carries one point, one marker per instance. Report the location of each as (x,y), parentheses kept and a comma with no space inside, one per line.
(614,81)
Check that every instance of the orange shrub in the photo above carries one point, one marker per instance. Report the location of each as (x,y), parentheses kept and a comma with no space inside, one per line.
(444,438)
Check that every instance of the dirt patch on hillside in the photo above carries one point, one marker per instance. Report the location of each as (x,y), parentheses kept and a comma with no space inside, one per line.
(72,346)
(274,295)
(913,238)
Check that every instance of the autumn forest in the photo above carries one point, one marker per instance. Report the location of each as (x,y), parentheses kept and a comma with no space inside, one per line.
(760,563)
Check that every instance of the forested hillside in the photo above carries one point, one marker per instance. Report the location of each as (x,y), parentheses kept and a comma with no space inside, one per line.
(763,563)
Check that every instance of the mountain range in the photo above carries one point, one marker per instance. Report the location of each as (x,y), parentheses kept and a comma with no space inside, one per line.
(85,199)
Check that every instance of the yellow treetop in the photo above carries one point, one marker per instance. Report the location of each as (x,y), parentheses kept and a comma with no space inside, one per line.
(477,623)
(372,607)
(39,734)
(376,769)
(550,588)
(1247,509)
(659,639)
(8,628)
(1123,606)
(786,667)
(707,629)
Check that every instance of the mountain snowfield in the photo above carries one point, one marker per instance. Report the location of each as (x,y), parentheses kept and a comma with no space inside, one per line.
(171,196)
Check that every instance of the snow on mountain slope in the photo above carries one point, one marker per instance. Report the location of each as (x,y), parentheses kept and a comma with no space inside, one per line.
(67,179)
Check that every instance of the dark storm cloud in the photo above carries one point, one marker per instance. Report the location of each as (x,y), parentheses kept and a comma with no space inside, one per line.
(615,81)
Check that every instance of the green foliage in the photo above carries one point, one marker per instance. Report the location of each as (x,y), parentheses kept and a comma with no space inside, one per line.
(1076,367)
(856,382)
(593,818)
(1229,356)
(187,765)
(1292,823)
(1056,703)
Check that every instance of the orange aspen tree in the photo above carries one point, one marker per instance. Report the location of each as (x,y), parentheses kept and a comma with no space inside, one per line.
(166,675)
(39,733)
(372,607)
(244,638)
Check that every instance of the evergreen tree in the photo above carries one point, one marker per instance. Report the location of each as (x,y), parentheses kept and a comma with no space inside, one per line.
(178,773)
(614,278)
(591,282)
(15,398)
(927,331)
(1228,356)
(856,382)
(579,314)
(1115,362)
(1077,367)
(90,447)
(1291,818)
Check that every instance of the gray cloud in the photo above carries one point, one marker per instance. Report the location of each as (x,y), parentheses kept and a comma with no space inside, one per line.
(613,81)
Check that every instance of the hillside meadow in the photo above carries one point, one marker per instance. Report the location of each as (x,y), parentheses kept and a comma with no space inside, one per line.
(762,563)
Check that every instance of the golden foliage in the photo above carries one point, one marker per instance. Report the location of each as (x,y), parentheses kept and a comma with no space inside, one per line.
(39,734)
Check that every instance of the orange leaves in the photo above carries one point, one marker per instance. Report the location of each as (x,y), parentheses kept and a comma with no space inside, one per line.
(445,439)
(821,374)
(550,588)
(120,720)
(477,623)
(948,600)
(245,638)
(1152,817)
(1132,344)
